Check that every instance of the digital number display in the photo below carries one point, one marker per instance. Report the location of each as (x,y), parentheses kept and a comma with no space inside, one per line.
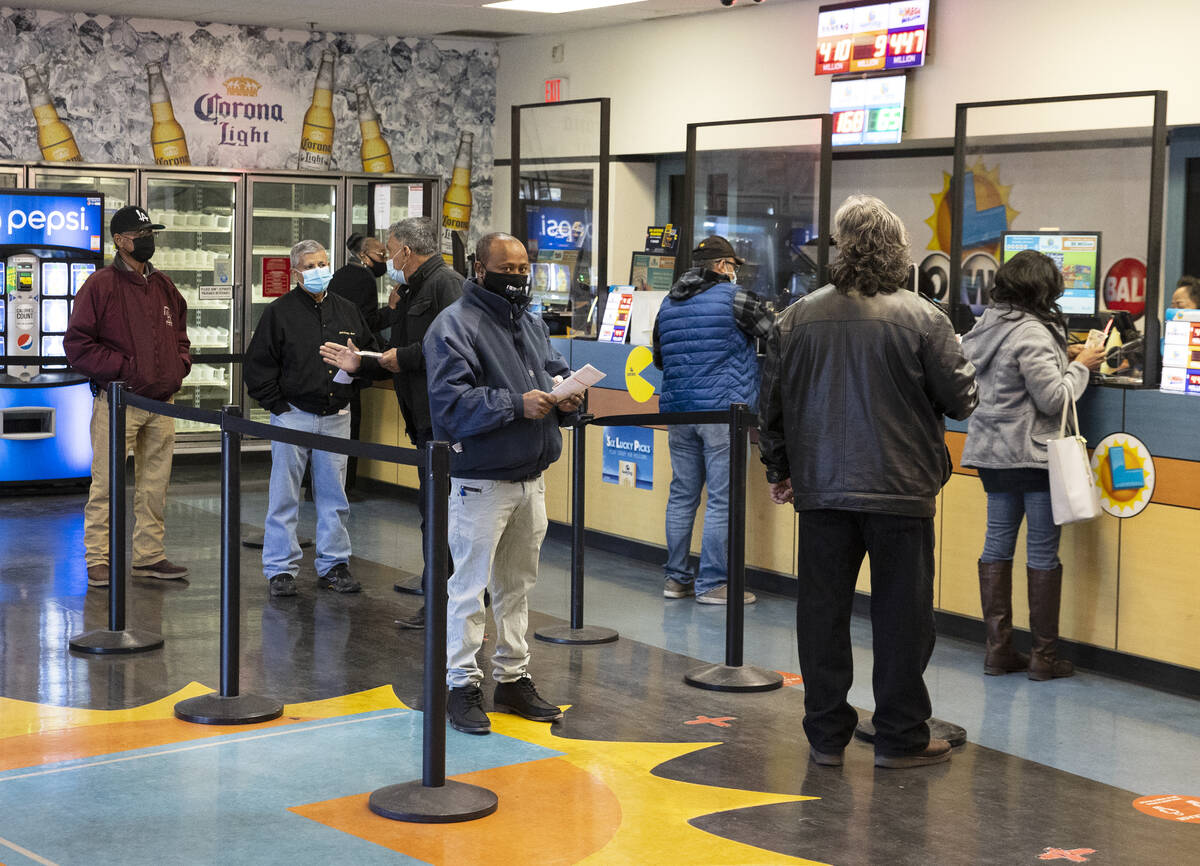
(868,37)
(868,110)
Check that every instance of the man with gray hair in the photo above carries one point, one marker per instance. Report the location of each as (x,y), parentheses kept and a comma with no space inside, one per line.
(855,385)
(426,285)
(286,371)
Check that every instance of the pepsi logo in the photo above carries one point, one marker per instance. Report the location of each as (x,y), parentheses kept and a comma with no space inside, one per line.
(25,342)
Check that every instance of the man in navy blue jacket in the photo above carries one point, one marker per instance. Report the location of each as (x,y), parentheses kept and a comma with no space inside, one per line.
(490,368)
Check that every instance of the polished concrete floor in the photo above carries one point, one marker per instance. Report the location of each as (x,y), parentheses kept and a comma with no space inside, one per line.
(642,769)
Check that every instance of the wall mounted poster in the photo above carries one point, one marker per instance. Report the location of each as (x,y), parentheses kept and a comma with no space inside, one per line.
(628,458)
(652,273)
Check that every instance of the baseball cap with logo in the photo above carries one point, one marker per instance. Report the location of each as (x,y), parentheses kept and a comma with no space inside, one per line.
(131,218)
(715,247)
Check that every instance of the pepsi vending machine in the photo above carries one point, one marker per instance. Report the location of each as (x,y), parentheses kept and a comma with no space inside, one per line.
(49,244)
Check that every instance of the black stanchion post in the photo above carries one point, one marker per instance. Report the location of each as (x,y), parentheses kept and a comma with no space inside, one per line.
(577,633)
(733,676)
(433,799)
(116,638)
(229,707)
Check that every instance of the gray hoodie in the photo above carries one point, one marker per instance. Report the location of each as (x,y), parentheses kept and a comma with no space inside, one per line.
(1023,375)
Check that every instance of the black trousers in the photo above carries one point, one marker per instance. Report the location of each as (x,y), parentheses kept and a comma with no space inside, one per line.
(831,548)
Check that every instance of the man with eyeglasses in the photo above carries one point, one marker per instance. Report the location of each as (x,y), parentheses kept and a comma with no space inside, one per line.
(705,344)
(129,324)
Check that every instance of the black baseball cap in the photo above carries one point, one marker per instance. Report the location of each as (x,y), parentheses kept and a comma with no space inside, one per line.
(716,247)
(131,218)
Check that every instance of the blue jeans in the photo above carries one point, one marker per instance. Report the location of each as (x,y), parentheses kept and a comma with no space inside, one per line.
(1004,513)
(699,454)
(281,549)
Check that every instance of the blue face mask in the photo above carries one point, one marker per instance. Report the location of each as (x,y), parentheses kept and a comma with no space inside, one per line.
(316,279)
(396,275)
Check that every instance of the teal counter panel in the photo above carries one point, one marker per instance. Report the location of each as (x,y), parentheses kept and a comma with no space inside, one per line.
(609,358)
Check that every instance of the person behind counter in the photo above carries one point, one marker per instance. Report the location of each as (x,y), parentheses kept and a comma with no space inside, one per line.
(1019,349)
(1187,294)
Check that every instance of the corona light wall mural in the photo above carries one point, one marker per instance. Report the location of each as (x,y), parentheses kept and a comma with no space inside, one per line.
(102,89)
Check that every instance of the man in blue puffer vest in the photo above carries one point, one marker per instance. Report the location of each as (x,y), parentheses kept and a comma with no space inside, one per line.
(704,342)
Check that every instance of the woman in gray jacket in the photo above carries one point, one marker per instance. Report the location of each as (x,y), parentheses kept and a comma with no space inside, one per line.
(1020,353)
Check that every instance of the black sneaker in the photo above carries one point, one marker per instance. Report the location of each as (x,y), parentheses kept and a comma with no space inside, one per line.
(464,708)
(339,580)
(417,620)
(282,584)
(521,697)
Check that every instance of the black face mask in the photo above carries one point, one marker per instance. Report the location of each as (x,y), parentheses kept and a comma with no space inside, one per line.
(378,269)
(515,288)
(143,249)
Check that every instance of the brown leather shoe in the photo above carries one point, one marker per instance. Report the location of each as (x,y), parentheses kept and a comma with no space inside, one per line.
(1045,595)
(97,575)
(935,753)
(995,596)
(164,569)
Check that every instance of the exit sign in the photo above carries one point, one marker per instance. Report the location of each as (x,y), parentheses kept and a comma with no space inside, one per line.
(556,89)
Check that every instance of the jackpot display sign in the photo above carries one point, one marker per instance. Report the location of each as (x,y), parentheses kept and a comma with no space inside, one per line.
(871,37)
(867,110)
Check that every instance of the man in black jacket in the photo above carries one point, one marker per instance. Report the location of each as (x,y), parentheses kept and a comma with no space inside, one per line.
(285,372)
(855,385)
(427,285)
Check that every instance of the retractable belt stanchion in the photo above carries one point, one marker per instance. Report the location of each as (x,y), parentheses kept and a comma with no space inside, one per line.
(577,633)
(433,799)
(733,676)
(228,707)
(116,638)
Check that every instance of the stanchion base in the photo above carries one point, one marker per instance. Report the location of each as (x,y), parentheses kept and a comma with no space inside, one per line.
(743,678)
(256,541)
(589,634)
(213,709)
(955,735)
(448,804)
(105,642)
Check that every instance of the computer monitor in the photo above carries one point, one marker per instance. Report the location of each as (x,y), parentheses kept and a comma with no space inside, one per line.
(1077,255)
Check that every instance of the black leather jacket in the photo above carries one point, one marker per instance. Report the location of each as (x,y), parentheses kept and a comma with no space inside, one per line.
(853,393)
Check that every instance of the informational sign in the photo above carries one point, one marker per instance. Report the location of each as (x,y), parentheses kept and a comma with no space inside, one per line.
(216,293)
(615,327)
(867,36)
(416,200)
(1075,254)
(868,110)
(628,457)
(1171,807)
(662,240)
(556,89)
(32,220)
(640,388)
(277,272)
(1124,471)
(1181,352)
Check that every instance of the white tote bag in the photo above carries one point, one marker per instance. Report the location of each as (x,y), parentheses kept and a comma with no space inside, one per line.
(1073,492)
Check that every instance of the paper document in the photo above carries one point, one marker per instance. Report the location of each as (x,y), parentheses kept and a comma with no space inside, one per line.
(577,382)
(364,354)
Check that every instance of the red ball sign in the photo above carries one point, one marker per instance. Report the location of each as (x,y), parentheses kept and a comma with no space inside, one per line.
(1125,286)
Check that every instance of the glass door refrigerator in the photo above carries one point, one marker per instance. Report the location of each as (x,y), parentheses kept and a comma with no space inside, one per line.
(284,209)
(12,176)
(198,250)
(379,200)
(118,185)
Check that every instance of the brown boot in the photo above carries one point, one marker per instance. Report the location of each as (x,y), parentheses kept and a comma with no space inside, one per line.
(995,594)
(1045,593)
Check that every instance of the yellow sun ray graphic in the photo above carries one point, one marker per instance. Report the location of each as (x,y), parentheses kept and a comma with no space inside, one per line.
(989,193)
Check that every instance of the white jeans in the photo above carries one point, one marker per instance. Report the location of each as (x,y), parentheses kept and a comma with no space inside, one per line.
(496,533)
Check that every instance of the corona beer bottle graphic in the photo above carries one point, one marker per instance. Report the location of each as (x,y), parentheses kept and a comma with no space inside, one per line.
(456,207)
(166,135)
(376,155)
(316,139)
(54,138)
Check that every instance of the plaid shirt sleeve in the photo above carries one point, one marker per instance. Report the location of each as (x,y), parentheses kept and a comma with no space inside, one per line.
(752,315)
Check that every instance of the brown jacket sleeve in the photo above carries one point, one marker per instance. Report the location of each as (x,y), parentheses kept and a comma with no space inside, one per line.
(86,350)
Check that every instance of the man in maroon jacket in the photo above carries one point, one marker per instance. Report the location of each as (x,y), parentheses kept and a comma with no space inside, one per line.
(129,324)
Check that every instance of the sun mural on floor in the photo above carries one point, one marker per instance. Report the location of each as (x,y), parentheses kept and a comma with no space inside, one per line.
(571,801)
